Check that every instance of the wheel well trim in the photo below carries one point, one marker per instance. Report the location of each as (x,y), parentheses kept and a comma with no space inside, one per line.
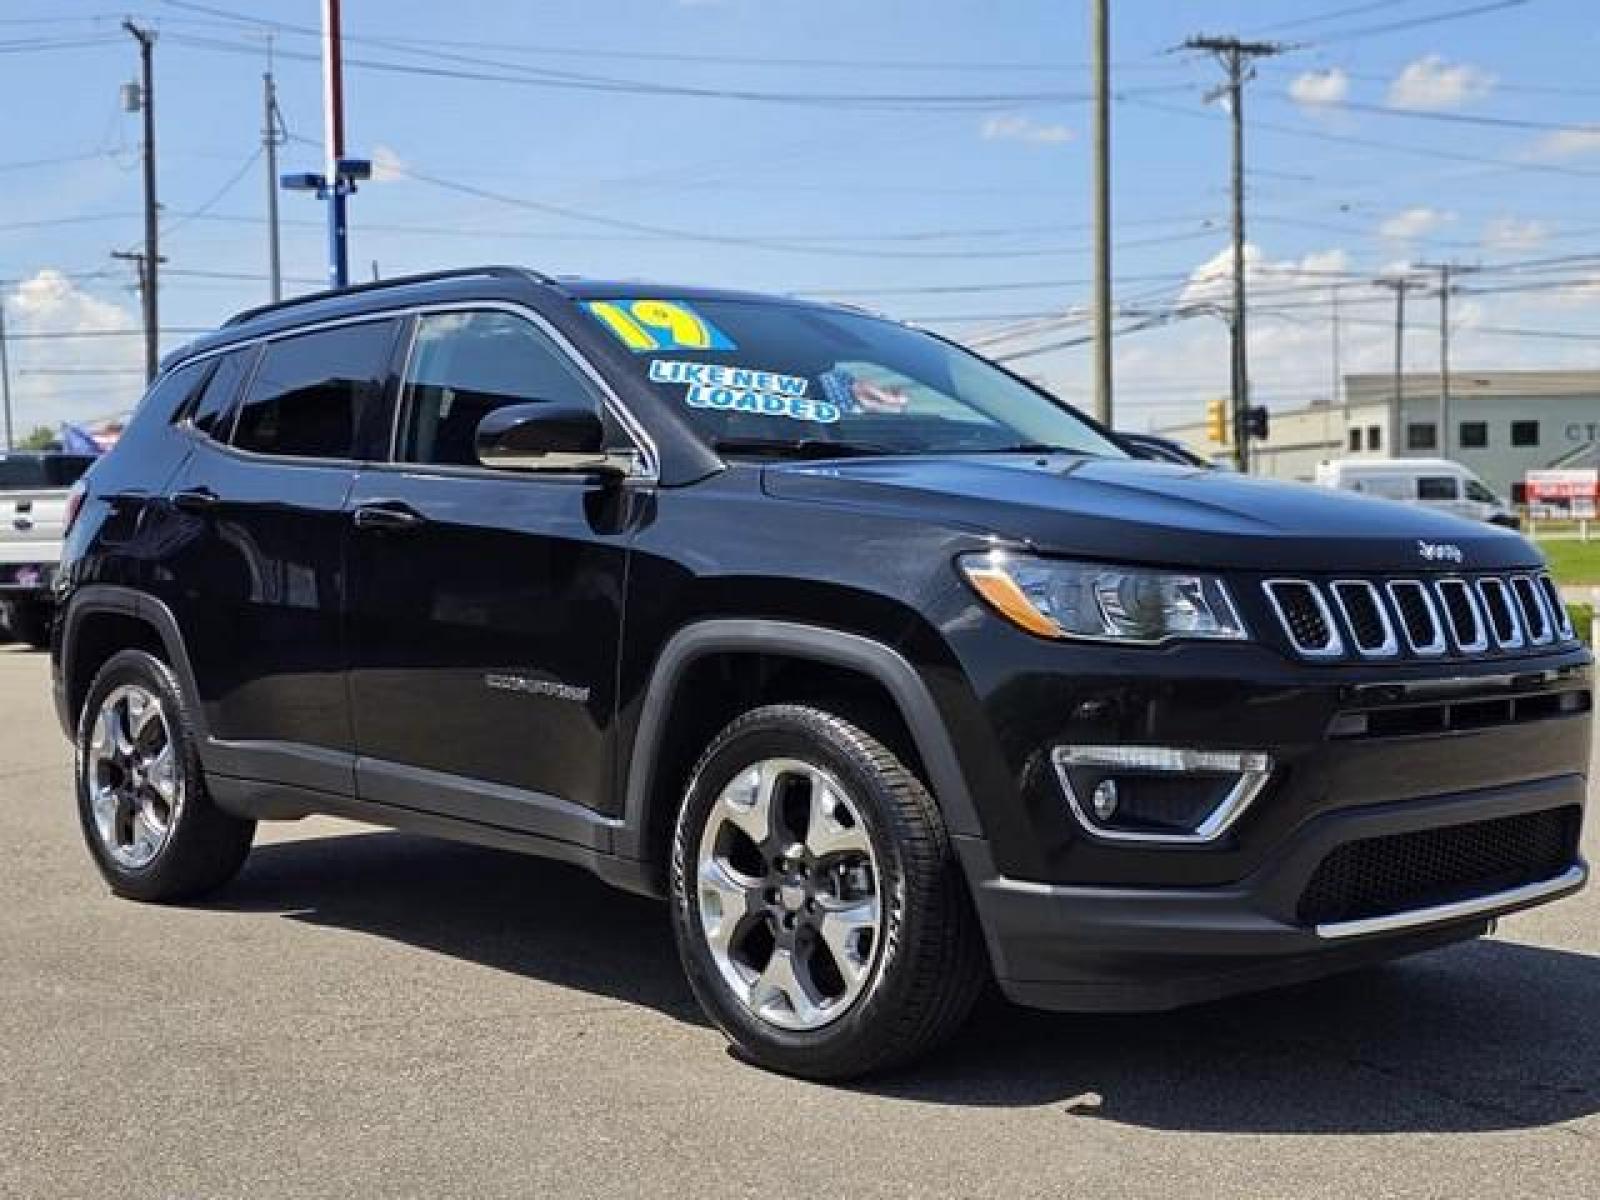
(832,647)
(140,606)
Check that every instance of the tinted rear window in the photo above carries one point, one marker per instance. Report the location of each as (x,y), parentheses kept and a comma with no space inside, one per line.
(313,393)
(32,472)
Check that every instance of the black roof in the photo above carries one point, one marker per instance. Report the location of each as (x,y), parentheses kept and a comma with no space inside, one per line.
(458,283)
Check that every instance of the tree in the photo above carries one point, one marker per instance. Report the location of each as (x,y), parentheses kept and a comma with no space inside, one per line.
(42,438)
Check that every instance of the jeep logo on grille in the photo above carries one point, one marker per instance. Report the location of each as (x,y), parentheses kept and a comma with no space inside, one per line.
(1440,552)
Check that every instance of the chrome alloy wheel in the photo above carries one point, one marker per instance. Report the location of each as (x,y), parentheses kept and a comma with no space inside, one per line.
(789,898)
(133,776)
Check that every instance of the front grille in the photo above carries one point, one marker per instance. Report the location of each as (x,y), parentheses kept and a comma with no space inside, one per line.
(1380,876)
(1451,617)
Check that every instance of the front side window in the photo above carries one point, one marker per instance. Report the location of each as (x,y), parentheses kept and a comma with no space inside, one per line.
(463,366)
(769,377)
(1524,433)
(1482,495)
(314,393)
(1437,487)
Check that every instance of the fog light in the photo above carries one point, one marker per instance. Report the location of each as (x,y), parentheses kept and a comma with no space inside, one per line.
(1105,800)
(1159,793)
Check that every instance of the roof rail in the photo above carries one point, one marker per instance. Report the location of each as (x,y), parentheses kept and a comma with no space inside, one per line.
(493,271)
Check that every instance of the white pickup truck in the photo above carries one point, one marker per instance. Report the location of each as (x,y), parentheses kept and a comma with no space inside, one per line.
(33,517)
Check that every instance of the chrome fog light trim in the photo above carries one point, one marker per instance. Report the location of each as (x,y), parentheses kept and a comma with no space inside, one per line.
(1253,768)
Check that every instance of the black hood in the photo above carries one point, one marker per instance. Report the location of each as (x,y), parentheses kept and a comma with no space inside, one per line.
(1133,511)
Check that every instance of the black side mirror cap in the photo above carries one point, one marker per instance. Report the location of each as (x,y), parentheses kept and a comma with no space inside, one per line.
(549,436)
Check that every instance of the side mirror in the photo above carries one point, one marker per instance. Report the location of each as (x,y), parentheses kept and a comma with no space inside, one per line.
(549,437)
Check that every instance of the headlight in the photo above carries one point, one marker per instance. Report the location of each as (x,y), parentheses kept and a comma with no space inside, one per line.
(1092,600)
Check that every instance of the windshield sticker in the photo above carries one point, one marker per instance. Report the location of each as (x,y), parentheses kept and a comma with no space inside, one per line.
(744,389)
(666,370)
(855,395)
(646,326)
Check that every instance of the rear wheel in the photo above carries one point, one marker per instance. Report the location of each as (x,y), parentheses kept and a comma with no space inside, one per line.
(142,802)
(820,914)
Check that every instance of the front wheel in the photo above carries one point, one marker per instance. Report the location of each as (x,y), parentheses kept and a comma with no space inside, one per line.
(819,911)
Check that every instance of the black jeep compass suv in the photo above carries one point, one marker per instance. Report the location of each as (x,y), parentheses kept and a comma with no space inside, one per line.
(893,672)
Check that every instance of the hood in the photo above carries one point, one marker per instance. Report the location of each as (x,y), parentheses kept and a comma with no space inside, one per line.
(1148,512)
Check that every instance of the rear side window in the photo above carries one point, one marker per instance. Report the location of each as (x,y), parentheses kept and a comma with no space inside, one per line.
(1437,487)
(213,411)
(463,366)
(313,393)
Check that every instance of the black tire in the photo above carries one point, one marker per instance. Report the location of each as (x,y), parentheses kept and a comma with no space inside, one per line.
(28,621)
(928,964)
(205,847)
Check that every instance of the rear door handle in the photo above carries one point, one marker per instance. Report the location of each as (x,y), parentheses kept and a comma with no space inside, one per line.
(195,500)
(387,517)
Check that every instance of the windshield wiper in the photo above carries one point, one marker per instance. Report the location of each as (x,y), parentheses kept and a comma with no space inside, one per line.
(1016,448)
(802,448)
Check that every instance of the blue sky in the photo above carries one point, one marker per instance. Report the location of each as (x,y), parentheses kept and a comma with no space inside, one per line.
(929,159)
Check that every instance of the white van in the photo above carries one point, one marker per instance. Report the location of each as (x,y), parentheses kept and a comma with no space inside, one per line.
(1434,482)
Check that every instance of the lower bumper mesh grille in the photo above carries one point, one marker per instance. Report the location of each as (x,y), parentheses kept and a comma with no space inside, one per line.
(1376,877)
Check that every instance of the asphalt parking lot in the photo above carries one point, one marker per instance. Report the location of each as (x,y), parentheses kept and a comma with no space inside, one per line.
(365,1013)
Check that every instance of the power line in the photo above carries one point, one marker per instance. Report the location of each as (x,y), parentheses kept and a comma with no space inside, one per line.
(1454,14)
(1352,10)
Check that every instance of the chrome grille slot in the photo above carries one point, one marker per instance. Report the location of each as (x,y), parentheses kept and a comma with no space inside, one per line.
(1418,617)
(1557,607)
(1305,617)
(1501,611)
(1530,603)
(1365,617)
(1460,606)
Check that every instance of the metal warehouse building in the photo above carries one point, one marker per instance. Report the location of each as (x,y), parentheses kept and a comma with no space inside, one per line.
(1502,424)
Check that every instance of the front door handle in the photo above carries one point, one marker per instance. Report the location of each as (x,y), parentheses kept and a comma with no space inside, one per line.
(195,500)
(390,517)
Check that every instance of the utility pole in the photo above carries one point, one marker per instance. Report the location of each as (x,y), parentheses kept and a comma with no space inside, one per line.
(5,378)
(149,283)
(1445,271)
(273,135)
(1236,58)
(1100,39)
(1400,286)
(1338,383)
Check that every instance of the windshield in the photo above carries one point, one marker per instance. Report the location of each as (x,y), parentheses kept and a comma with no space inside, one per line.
(782,378)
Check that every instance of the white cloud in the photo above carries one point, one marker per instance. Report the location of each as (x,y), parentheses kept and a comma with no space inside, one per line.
(1320,89)
(1212,281)
(1012,127)
(387,165)
(1509,233)
(1416,222)
(1567,143)
(1431,83)
(50,302)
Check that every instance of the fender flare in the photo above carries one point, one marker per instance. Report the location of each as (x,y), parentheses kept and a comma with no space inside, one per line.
(141,606)
(874,659)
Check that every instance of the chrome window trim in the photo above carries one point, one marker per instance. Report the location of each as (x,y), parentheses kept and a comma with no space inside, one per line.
(1544,609)
(1518,637)
(1391,641)
(1221,819)
(1569,880)
(1335,646)
(630,423)
(1433,648)
(1479,644)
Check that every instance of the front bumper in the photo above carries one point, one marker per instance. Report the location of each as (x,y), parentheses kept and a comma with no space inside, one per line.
(1095,947)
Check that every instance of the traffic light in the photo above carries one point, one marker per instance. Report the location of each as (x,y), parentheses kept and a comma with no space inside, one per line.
(1255,422)
(1217,421)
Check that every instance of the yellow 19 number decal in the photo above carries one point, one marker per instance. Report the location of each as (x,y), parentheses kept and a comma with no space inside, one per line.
(644,326)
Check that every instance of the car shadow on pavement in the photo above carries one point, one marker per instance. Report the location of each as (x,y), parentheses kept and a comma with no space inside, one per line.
(1485,1036)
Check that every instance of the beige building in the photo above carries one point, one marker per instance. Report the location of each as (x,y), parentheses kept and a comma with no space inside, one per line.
(1502,424)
